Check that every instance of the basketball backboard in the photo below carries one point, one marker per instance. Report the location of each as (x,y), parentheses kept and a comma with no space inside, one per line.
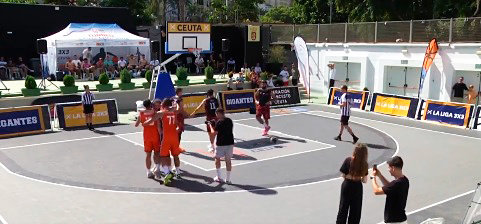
(182,36)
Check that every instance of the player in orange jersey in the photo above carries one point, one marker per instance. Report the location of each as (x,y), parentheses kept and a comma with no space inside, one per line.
(170,139)
(151,137)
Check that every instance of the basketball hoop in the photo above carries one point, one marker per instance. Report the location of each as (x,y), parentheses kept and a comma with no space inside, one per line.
(195,51)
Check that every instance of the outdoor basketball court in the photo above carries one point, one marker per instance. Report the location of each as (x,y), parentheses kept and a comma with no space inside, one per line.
(99,177)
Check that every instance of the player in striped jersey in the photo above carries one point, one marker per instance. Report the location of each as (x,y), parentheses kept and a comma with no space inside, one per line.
(345,105)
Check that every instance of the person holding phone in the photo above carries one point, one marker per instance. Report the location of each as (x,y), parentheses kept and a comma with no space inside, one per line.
(354,171)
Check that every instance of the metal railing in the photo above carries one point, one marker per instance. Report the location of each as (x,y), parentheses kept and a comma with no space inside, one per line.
(414,31)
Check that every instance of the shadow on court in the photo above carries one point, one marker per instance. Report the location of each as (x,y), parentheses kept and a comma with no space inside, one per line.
(210,157)
(192,128)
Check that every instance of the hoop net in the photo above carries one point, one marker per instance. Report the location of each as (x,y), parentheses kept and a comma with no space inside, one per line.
(195,51)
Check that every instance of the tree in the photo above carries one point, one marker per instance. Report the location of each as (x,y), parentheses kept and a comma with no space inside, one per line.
(285,14)
(234,11)
(138,9)
(19,1)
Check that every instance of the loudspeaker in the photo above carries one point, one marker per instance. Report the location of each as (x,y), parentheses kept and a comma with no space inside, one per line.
(41,46)
(155,46)
(225,45)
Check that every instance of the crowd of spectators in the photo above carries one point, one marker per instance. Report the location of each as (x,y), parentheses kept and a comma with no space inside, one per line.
(11,69)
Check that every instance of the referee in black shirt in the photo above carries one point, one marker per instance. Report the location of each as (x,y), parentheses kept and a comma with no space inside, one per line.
(87,103)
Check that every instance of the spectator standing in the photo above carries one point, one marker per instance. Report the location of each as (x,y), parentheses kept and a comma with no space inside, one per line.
(284,75)
(199,65)
(270,81)
(354,171)
(295,75)
(223,129)
(345,105)
(396,191)
(88,106)
(3,68)
(472,95)
(87,54)
(231,65)
(458,91)
(258,69)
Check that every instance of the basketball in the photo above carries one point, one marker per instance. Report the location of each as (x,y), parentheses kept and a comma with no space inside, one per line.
(273,139)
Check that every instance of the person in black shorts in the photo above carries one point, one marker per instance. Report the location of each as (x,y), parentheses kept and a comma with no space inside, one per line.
(396,191)
(88,106)
(210,105)
(263,101)
(345,105)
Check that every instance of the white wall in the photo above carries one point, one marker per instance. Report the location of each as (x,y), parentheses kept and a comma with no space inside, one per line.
(377,64)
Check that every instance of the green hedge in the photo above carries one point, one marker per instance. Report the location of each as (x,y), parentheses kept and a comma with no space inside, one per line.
(104,79)
(68,81)
(30,82)
(125,76)
(182,73)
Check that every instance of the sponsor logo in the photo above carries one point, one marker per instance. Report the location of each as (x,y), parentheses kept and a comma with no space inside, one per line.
(239,101)
(18,121)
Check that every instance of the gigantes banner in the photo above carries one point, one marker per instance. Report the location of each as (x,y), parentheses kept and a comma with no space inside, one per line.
(394,105)
(458,114)
(71,115)
(18,121)
(237,100)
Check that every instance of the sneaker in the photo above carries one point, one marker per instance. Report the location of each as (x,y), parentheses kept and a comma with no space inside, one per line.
(228,182)
(168,178)
(264,133)
(354,139)
(210,149)
(217,179)
(268,128)
(150,175)
(338,138)
(177,174)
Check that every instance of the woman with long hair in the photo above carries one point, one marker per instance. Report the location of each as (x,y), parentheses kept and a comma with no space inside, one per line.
(354,171)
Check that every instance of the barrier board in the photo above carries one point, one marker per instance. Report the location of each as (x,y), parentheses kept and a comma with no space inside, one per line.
(283,96)
(458,114)
(71,115)
(359,97)
(192,101)
(394,105)
(476,118)
(18,121)
(237,100)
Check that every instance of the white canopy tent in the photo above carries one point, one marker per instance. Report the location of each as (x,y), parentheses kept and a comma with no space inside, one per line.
(109,38)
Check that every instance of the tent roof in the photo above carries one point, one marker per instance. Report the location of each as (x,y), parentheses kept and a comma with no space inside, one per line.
(94,35)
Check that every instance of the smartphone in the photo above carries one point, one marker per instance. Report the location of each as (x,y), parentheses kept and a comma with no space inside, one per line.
(374,167)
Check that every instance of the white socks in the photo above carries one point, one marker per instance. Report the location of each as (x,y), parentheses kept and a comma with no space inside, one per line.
(228,176)
(219,174)
(165,169)
(157,166)
(265,125)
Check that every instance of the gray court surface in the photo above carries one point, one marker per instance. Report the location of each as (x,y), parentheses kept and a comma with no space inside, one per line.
(99,177)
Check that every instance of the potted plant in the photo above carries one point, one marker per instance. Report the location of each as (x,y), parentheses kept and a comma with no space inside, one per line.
(126,80)
(148,77)
(30,87)
(104,84)
(277,56)
(69,85)
(182,75)
(209,75)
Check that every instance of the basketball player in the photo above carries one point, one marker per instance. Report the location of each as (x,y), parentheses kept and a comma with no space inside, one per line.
(210,104)
(170,139)
(182,114)
(151,137)
(345,105)
(263,101)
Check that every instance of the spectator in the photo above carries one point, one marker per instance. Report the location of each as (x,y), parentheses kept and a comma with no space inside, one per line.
(24,70)
(396,191)
(231,65)
(109,67)
(87,70)
(240,81)
(77,62)
(154,63)
(72,67)
(258,69)
(122,63)
(472,95)
(3,68)
(295,75)
(133,62)
(13,70)
(87,54)
(284,75)
(230,82)
(270,81)
(199,65)
(354,171)
(247,70)
(99,67)
(220,64)
(254,79)
(212,61)
(102,54)
(143,63)
(458,91)
(223,129)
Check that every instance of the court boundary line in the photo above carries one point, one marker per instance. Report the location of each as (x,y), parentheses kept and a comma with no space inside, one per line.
(440,202)
(190,193)
(2,220)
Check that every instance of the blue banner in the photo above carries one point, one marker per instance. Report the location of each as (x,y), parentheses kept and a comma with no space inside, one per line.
(358,98)
(18,121)
(447,113)
(238,100)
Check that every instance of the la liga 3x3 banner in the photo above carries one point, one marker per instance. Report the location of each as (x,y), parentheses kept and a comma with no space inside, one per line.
(359,98)
(458,114)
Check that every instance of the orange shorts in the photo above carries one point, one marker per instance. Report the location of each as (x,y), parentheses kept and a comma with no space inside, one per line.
(170,146)
(152,143)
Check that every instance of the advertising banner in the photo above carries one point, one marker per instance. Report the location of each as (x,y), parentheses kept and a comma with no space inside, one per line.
(253,33)
(192,101)
(237,100)
(24,120)
(394,105)
(359,97)
(71,115)
(476,118)
(282,96)
(447,113)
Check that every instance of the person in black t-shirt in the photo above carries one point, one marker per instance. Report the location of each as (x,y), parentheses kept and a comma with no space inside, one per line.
(224,148)
(263,101)
(354,171)
(458,91)
(210,105)
(396,191)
